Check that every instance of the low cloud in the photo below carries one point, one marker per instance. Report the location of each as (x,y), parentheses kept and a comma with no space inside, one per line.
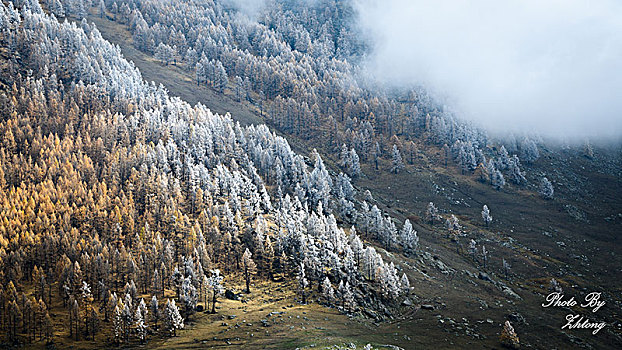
(251,8)
(553,67)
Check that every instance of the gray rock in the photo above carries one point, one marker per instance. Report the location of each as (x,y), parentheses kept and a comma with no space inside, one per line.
(484,276)
(509,292)
(516,317)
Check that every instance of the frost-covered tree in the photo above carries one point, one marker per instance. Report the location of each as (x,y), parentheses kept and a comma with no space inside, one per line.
(491,169)
(588,150)
(486,215)
(397,164)
(498,181)
(57,8)
(85,291)
(376,153)
(506,268)
(303,283)
(328,291)
(408,238)
(353,167)
(172,318)
(345,295)
(546,188)
(484,255)
(514,172)
(215,283)
(142,309)
(503,159)
(117,324)
(140,325)
(467,159)
(405,284)
(344,155)
(555,286)
(127,318)
(220,77)
(239,88)
(473,249)
(387,233)
(431,213)
(188,296)
(320,182)
(389,280)
(164,53)
(356,245)
(102,8)
(155,311)
(529,150)
(177,279)
(249,267)
(453,225)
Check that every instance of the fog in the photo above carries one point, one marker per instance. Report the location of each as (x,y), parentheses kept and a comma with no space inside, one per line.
(551,67)
(251,8)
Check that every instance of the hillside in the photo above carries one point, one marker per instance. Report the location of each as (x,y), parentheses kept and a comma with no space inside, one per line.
(138,191)
(521,232)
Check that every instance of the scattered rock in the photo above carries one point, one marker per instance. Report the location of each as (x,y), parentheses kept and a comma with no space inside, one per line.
(469,273)
(407,302)
(484,276)
(515,317)
(427,307)
(576,213)
(509,292)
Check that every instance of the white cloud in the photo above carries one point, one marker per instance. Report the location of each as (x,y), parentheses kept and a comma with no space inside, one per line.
(554,67)
(250,8)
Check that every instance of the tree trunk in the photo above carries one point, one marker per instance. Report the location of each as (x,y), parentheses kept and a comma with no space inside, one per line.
(214,303)
(248,280)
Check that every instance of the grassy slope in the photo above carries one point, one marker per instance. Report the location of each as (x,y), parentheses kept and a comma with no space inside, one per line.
(519,215)
(174,77)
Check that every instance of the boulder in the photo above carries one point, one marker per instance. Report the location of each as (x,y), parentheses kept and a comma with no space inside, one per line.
(229,294)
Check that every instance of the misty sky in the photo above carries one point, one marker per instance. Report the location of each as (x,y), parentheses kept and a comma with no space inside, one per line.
(554,67)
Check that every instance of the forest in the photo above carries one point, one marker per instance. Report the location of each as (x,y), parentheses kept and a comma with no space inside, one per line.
(100,209)
(128,213)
